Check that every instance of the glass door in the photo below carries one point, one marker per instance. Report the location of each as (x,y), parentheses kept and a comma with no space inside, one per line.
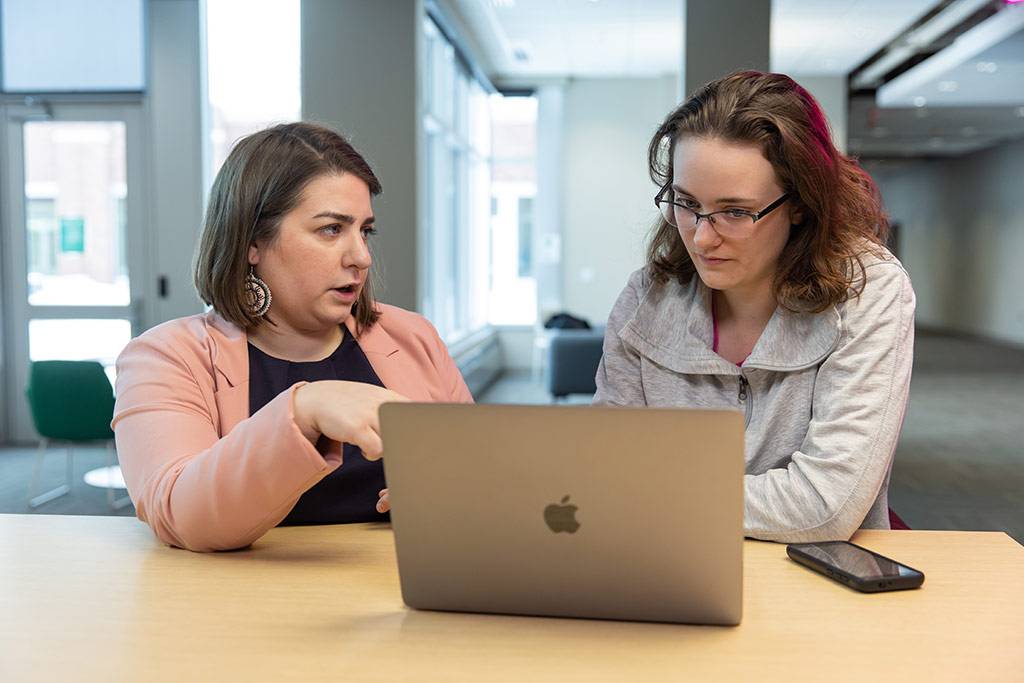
(74,221)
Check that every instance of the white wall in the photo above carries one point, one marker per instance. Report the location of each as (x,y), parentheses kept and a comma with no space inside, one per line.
(832,94)
(912,191)
(608,205)
(962,238)
(549,208)
(518,351)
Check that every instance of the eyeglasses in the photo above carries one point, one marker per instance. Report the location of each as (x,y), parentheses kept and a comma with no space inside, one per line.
(683,213)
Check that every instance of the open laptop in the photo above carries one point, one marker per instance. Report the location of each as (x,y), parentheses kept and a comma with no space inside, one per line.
(610,513)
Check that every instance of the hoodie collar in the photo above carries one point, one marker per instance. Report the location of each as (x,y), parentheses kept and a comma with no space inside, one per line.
(672,326)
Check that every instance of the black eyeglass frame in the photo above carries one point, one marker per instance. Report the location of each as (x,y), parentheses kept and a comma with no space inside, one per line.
(659,199)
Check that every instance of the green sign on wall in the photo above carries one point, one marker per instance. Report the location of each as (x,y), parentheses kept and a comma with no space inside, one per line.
(72,235)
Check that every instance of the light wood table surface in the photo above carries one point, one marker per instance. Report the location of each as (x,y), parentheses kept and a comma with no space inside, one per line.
(98,598)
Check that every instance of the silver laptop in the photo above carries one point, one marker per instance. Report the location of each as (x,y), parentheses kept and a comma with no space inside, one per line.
(609,513)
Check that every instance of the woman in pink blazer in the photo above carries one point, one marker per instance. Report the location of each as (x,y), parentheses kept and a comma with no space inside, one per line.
(263,411)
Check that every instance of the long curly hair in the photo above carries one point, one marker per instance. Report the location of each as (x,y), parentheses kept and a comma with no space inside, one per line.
(842,210)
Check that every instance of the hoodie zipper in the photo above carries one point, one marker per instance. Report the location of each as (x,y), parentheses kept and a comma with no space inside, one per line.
(746,398)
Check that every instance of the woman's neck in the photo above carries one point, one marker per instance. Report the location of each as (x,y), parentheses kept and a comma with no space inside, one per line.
(751,307)
(286,342)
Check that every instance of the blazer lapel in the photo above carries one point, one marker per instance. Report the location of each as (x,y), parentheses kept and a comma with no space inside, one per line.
(389,362)
(230,355)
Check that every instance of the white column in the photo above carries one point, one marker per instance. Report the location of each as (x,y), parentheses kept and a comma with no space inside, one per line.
(549,232)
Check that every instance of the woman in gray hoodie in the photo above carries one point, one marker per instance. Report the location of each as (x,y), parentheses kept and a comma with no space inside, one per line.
(768,289)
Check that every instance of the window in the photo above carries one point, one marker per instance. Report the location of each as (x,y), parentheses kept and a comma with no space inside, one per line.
(73,46)
(513,287)
(525,215)
(456,124)
(43,236)
(253,69)
(75,184)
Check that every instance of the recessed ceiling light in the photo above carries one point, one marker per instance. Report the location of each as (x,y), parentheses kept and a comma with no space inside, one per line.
(987,67)
(920,101)
(503,4)
(948,86)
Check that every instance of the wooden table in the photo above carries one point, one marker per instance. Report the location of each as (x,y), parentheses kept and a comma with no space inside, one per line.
(98,598)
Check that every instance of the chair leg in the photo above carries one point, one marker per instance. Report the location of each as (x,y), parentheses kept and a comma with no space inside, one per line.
(69,468)
(63,489)
(114,503)
(37,467)
(110,463)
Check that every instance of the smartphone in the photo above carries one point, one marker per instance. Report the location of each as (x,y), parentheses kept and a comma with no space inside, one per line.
(856,567)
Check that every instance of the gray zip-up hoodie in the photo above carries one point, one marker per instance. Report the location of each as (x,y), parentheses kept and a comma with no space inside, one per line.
(824,395)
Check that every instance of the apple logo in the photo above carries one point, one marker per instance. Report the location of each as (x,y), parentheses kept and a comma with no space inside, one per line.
(561,517)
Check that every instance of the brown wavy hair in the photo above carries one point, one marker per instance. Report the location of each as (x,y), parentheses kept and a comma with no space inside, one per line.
(842,210)
(263,179)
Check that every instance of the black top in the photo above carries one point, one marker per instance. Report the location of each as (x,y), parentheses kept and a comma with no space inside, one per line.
(349,493)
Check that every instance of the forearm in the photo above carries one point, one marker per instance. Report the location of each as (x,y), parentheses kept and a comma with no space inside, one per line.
(785,505)
(229,493)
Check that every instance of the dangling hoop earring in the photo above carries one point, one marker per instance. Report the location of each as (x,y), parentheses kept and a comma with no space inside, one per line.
(257,294)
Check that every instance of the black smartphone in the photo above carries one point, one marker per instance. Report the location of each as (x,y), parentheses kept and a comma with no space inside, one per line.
(856,567)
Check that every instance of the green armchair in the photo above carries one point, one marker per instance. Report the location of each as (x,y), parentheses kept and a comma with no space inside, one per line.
(73,402)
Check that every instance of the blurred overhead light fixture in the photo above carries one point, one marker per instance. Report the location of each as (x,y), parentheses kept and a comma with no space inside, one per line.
(521,51)
(948,86)
(920,101)
(950,16)
(987,67)
(967,46)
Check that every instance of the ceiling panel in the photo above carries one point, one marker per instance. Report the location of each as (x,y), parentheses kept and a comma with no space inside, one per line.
(644,37)
(831,37)
(965,75)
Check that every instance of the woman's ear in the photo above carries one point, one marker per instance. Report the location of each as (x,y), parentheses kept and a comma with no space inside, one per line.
(796,216)
(254,255)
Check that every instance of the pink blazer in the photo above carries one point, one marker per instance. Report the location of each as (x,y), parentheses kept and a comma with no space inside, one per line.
(202,472)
